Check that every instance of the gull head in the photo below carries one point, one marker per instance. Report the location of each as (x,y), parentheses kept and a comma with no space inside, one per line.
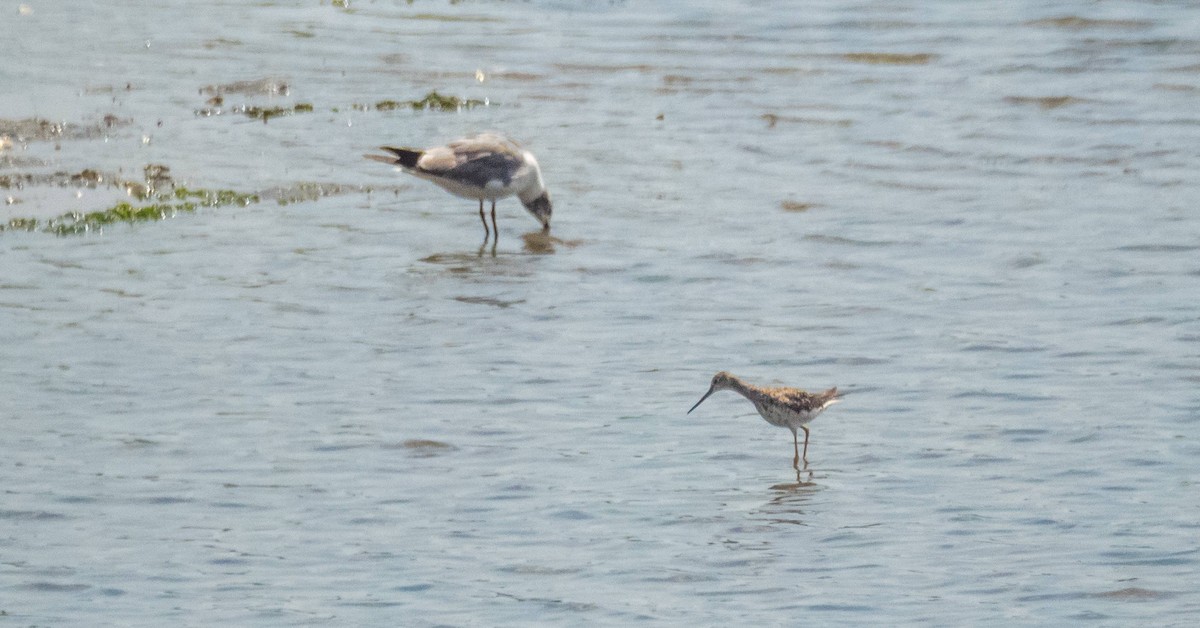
(541,209)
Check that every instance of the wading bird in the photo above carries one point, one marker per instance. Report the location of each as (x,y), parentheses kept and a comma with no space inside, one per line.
(488,166)
(783,407)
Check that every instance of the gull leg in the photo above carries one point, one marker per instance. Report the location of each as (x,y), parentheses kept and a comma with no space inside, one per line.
(483,220)
(495,229)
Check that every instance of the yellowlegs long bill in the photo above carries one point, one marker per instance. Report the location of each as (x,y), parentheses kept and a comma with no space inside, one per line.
(782,407)
(488,166)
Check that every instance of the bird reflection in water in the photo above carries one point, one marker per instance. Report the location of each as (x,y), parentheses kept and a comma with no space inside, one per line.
(804,477)
(487,260)
(788,503)
(533,243)
(538,242)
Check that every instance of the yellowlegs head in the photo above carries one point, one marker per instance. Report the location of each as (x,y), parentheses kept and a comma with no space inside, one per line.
(721,381)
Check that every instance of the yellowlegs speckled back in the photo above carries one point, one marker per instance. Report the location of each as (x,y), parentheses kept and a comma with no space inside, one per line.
(783,407)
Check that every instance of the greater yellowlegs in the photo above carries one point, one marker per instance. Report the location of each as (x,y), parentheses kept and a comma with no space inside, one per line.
(783,407)
(488,166)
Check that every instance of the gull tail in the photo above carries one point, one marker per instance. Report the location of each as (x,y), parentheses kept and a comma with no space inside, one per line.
(403,157)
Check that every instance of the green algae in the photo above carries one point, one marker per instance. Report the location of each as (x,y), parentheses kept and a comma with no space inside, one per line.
(266,113)
(432,101)
(268,86)
(254,112)
(20,224)
(27,130)
(155,199)
(181,200)
(305,192)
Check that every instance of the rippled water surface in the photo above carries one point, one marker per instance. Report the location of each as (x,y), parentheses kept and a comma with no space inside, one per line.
(332,407)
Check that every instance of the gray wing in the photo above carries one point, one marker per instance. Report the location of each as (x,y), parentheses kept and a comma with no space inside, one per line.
(485,167)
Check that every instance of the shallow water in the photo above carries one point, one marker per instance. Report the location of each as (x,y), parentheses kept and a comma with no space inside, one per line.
(981,222)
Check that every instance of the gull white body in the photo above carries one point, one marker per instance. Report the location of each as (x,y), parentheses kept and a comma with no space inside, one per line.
(485,167)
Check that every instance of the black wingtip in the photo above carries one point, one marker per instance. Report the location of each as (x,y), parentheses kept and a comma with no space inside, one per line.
(405,158)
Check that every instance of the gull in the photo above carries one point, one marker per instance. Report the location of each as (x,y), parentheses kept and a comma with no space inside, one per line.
(488,166)
(782,407)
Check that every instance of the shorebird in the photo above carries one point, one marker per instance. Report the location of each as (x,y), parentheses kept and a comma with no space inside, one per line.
(488,166)
(783,407)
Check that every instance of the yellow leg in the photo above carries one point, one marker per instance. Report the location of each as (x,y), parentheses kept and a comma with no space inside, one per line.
(805,442)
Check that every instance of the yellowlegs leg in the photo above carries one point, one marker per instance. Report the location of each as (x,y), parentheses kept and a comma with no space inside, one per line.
(483,219)
(796,448)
